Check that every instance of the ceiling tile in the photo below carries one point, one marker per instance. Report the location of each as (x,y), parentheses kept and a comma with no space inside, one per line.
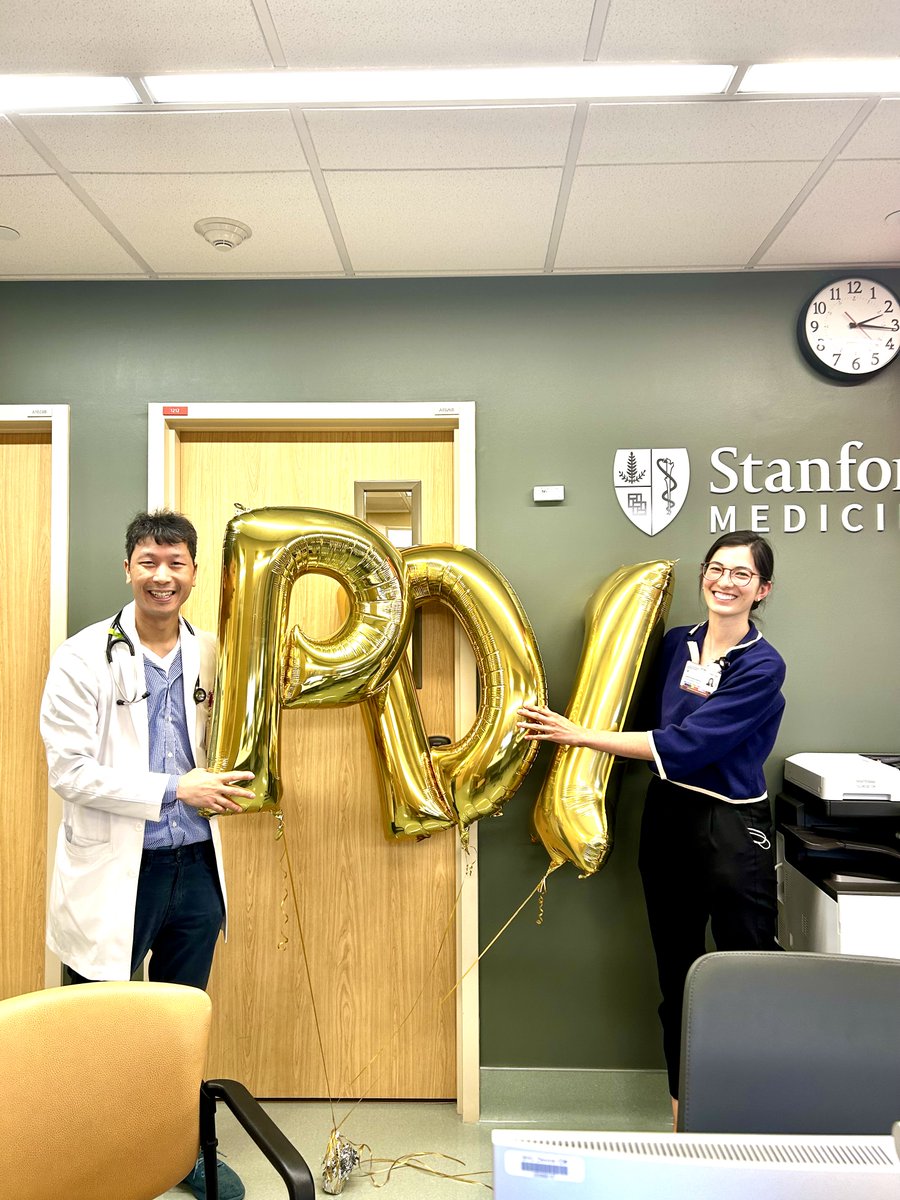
(202,142)
(880,135)
(735,31)
(454,33)
(16,156)
(843,220)
(715,131)
(445,220)
(394,139)
(157,214)
(673,215)
(59,235)
(449,190)
(126,38)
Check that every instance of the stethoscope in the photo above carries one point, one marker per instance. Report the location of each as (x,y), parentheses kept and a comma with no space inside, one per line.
(116,636)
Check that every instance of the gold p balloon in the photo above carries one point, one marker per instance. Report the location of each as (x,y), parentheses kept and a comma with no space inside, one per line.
(263,667)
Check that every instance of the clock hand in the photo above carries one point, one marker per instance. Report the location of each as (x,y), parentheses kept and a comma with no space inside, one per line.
(869,320)
(855,324)
(860,324)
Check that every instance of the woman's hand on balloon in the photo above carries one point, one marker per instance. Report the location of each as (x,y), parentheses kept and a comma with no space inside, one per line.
(543,724)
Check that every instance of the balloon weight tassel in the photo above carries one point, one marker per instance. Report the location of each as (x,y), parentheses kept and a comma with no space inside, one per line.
(341,1158)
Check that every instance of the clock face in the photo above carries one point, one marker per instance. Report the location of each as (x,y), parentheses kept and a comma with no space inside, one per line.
(850,329)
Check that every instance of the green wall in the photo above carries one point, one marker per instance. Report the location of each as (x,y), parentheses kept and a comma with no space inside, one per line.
(564,373)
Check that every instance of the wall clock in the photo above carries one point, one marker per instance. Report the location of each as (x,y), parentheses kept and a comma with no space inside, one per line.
(850,329)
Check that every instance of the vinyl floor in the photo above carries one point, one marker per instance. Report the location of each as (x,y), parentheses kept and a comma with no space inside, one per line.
(392,1130)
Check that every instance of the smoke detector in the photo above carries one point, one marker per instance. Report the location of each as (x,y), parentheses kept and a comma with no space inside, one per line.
(223,233)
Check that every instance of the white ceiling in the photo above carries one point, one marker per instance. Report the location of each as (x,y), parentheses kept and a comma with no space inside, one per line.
(729,183)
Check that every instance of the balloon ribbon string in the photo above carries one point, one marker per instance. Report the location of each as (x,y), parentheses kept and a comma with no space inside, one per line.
(413,1160)
(312,996)
(285,938)
(279,835)
(469,868)
(539,890)
(415,1005)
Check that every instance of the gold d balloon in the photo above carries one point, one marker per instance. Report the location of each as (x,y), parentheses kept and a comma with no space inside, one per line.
(262,667)
(427,790)
(624,622)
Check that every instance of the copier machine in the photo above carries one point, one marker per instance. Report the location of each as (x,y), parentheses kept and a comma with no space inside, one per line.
(838,852)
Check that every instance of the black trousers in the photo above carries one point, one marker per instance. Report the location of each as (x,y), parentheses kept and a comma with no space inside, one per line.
(178,915)
(703,861)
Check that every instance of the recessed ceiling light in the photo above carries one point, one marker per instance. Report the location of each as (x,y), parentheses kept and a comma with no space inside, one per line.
(8,234)
(824,75)
(584,81)
(27,92)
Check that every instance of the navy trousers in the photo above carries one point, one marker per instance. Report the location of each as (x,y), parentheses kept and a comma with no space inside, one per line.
(703,861)
(178,915)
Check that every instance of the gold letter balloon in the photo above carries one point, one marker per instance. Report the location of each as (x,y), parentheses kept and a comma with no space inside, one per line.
(263,667)
(428,789)
(624,622)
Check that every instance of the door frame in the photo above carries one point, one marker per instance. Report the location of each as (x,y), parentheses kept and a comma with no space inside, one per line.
(166,421)
(53,418)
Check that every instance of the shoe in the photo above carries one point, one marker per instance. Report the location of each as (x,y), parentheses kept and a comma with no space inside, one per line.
(230,1186)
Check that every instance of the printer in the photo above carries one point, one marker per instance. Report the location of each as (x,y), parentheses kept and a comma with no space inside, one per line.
(837,825)
(845,782)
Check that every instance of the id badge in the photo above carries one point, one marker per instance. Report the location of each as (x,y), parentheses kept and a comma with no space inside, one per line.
(701,679)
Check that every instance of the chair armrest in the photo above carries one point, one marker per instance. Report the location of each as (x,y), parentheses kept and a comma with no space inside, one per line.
(278,1149)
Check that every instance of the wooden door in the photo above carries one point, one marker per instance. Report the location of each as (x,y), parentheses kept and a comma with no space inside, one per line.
(373,912)
(25,461)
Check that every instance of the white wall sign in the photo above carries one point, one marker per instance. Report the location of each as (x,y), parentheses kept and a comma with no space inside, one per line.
(851,474)
(651,486)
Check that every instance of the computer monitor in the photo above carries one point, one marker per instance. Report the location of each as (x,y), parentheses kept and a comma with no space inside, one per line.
(547,1165)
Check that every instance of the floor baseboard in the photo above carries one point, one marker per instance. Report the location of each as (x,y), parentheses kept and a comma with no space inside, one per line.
(575,1099)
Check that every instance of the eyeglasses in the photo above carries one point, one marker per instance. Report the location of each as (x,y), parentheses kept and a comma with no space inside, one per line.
(740,576)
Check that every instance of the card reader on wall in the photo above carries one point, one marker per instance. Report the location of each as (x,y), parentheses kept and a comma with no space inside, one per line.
(846,777)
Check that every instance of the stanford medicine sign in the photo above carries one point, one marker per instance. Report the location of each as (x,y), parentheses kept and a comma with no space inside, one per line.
(873,482)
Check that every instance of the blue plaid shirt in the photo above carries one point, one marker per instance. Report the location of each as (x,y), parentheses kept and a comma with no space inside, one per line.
(170,754)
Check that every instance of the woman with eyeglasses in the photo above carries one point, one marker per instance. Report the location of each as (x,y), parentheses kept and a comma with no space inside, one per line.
(706,851)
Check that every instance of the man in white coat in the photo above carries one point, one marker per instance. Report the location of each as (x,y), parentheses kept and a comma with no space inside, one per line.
(124,720)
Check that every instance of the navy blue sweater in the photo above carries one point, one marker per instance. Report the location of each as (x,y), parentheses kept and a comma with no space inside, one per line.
(718,744)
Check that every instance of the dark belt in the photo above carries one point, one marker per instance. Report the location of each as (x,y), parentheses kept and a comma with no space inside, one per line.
(193,852)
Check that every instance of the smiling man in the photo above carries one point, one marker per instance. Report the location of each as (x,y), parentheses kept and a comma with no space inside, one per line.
(124,720)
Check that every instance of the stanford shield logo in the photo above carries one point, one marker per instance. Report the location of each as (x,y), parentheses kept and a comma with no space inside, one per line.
(651,486)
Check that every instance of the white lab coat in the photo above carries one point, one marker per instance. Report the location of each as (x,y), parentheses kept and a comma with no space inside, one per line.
(98,756)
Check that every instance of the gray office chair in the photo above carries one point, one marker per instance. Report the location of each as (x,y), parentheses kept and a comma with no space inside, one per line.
(790,1043)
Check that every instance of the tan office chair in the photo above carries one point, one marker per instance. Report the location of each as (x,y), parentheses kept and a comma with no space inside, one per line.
(790,1043)
(102,1095)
